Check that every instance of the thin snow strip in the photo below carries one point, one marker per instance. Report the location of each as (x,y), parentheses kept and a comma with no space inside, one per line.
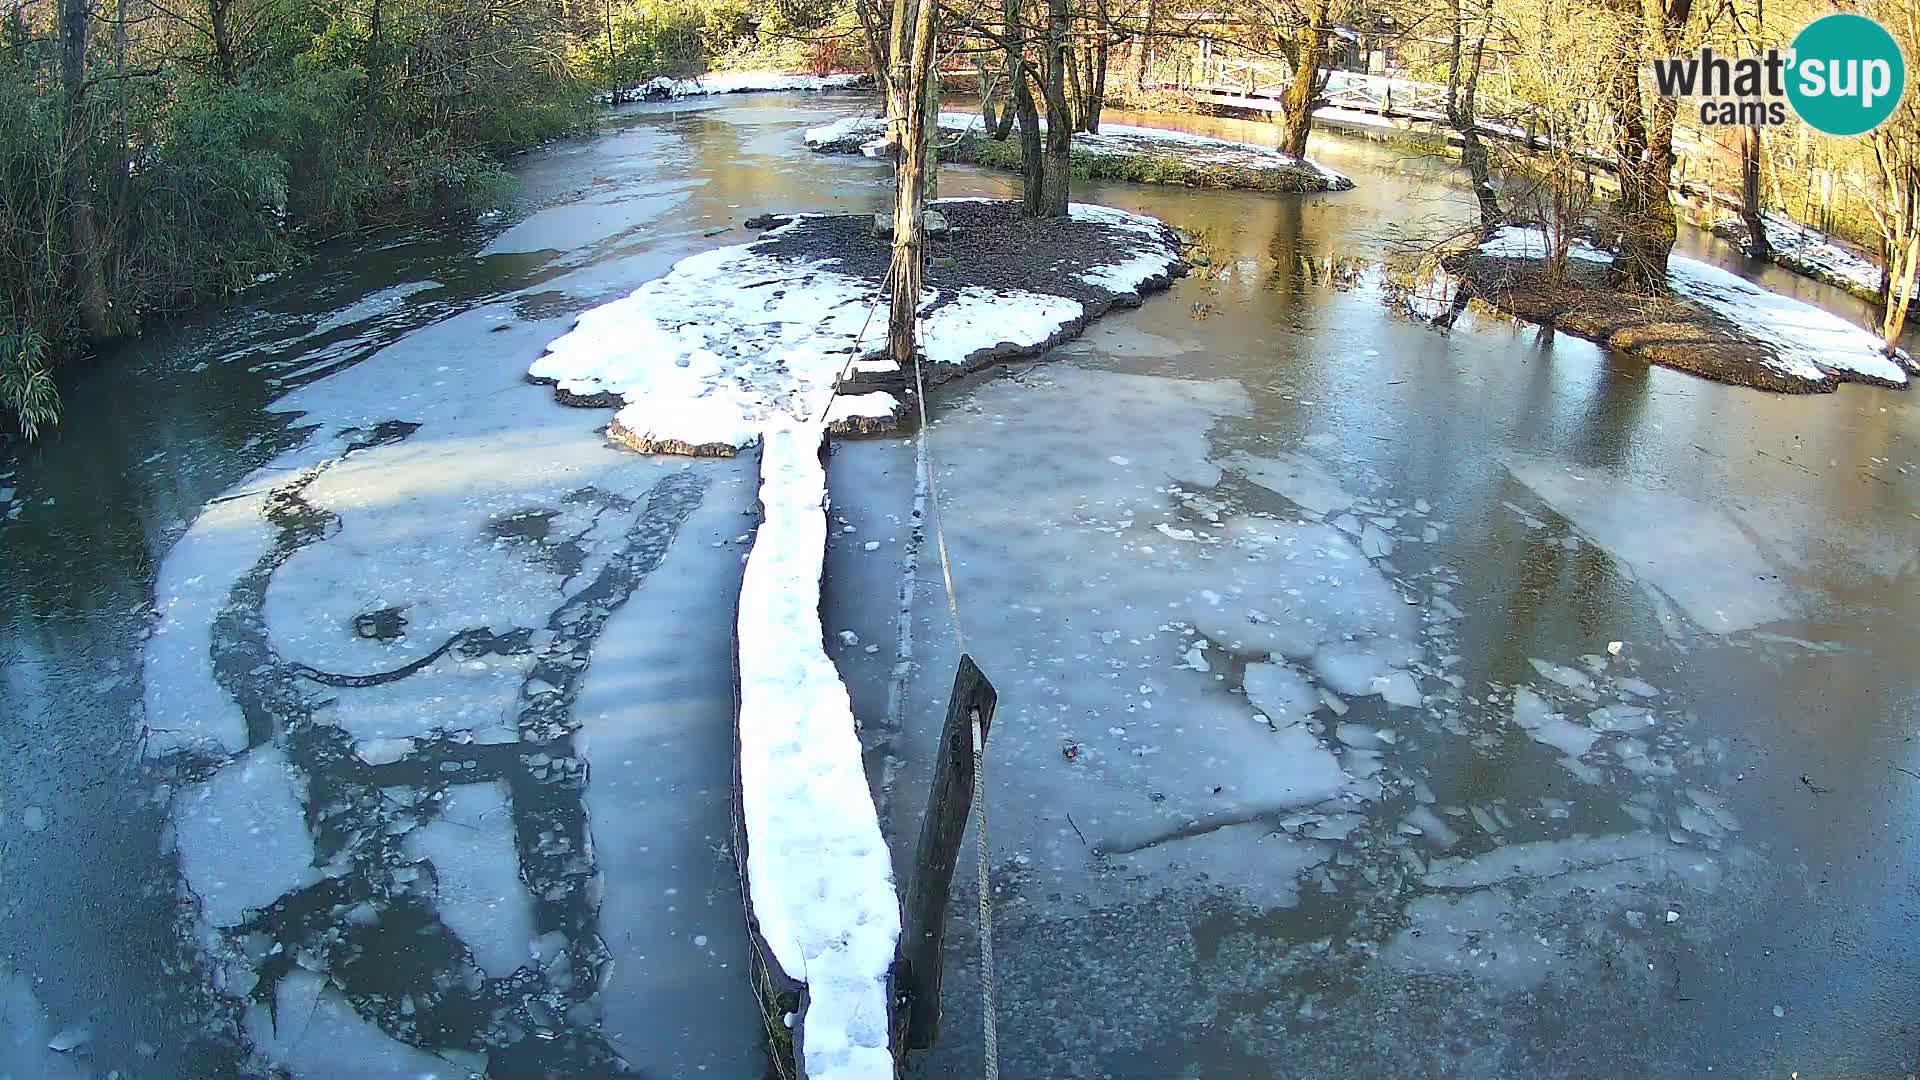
(1522,242)
(818,871)
(1807,341)
(735,82)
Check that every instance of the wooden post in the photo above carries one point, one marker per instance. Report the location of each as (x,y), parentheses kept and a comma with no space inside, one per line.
(949,803)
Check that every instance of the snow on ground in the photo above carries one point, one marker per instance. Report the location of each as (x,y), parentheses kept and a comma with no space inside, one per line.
(864,134)
(738,338)
(1803,335)
(734,82)
(743,345)
(1807,341)
(821,878)
(1809,251)
(477,873)
(1698,556)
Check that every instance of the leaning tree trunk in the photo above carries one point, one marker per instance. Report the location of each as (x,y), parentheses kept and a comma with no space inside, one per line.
(1309,48)
(1462,115)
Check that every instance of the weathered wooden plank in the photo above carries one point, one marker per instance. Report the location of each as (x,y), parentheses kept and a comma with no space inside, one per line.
(949,803)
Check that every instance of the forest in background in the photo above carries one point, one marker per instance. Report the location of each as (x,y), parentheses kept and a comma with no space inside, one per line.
(158,153)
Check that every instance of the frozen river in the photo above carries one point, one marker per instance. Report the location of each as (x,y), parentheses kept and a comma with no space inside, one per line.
(1372,700)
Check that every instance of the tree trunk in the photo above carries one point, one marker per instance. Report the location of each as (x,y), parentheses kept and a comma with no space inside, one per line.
(1462,88)
(930,128)
(1097,68)
(613,58)
(992,103)
(910,192)
(220,19)
(876,41)
(1309,49)
(1645,149)
(83,226)
(1143,50)
(1076,96)
(1032,158)
(1015,49)
(899,78)
(1758,246)
(1057,170)
(1902,276)
(376,66)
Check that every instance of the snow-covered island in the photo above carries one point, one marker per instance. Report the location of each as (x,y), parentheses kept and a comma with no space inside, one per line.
(1116,152)
(1713,323)
(769,343)
(665,88)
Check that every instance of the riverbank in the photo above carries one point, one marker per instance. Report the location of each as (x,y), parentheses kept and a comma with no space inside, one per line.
(1810,253)
(1713,323)
(1117,152)
(667,88)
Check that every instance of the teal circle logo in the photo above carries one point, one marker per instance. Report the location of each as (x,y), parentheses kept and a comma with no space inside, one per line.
(1847,74)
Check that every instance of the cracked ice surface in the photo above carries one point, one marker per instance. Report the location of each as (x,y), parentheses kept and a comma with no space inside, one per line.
(1088,611)
(421,585)
(314,1031)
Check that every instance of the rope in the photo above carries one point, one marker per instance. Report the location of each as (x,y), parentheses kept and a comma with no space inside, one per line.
(989,1024)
